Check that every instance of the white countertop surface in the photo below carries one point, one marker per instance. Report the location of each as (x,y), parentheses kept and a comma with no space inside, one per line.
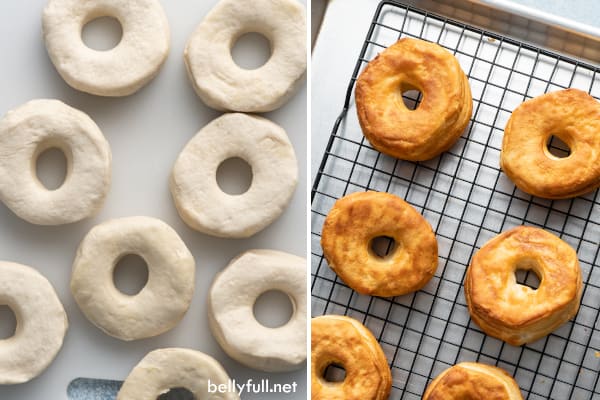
(146,132)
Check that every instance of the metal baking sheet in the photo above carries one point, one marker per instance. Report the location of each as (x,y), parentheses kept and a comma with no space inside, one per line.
(468,200)
(528,25)
(542,16)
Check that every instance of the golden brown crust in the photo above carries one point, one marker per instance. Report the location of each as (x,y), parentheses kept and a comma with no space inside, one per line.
(574,117)
(346,342)
(358,218)
(516,313)
(473,381)
(442,115)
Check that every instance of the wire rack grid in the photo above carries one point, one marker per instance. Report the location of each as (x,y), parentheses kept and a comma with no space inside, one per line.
(467,200)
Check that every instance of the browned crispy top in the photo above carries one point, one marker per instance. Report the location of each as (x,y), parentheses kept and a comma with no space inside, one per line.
(346,238)
(473,381)
(517,313)
(574,117)
(442,115)
(348,343)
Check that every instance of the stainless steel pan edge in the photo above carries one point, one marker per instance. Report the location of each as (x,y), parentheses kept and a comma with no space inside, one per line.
(540,29)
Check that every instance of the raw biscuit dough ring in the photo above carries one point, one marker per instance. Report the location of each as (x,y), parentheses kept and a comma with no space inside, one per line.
(442,115)
(171,271)
(165,369)
(120,71)
(220,82)
(231,310)
(517,313)
(345,342)
(41,323)
(470,380)
(264,146)
(571,115)
(358,218)
(39,125)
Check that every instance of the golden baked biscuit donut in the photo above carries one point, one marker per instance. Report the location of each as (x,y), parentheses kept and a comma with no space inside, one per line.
(442,115)
(469,380)
(571,115)
(345,342)
(517,313)
(348,233)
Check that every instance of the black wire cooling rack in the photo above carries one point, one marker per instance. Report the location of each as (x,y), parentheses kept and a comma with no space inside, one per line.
(468,201)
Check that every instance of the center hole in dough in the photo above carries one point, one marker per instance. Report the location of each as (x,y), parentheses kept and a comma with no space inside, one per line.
(527,277)
(251,51)
(177,394)
(334,373)
(273,309)
(8,322)
(234,176)
(51,168)
(130,274)
(383,246)
(102,34)
(557,147)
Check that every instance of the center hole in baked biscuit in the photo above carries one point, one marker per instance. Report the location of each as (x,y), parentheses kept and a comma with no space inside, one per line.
(8,322)
(102,34)
(51,168)
(412,99)
(251,51)
(383,246)
(178,393)
(234,176)
(334,373)
(557,147)
(130,274)
(411,96)
(273,309)
(527,277)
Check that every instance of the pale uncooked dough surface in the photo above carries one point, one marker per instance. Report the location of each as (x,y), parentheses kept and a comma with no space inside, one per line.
(164,299)
(120,71)
(39,125)
(265,146)
(164,369)
(147,131)
(220,82)
(231,310)
(41,323)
